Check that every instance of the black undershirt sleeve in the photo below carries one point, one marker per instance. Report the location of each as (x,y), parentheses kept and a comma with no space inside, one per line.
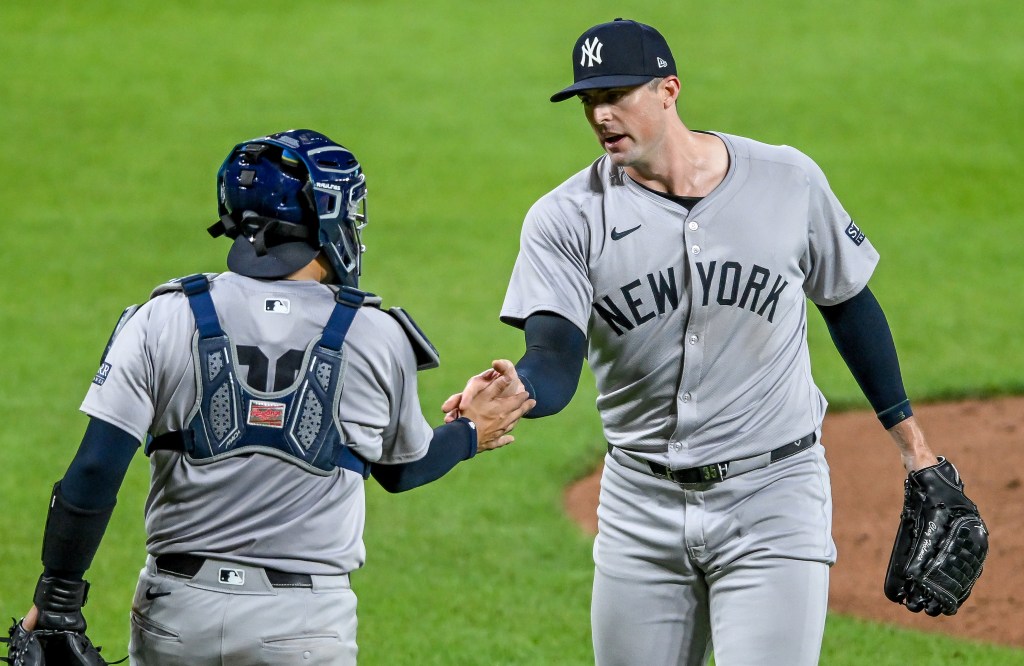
(95,474)
(452,443)
(861,334)
(550,368)
(82,502)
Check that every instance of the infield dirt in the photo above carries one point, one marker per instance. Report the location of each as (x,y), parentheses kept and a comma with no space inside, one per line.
(983,439)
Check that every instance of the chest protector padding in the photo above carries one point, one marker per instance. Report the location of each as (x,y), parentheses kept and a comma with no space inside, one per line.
(298,425)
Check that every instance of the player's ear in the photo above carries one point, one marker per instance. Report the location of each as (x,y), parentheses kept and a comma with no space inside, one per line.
(669,90)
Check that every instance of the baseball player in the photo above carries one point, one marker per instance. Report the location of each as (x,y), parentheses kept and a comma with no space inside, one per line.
(265,397)
(680,264)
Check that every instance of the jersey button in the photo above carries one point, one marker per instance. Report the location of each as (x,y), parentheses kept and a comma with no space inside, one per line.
(694,339)
(693,226)
(686,397)
(676,446)
(695,249)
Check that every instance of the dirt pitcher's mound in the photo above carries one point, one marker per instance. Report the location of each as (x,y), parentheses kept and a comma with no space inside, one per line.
(983,439)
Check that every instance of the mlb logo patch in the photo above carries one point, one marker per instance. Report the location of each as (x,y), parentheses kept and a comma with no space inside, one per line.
(232,576)
(266,414)
(277,305)
(854,233)
(101,374)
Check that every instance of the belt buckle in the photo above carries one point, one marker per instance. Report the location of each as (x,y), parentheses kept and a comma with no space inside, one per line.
(714,472)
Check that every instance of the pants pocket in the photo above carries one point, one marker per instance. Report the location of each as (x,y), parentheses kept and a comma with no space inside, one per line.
(300,641)
(154,643)
(308,649)
(146,626)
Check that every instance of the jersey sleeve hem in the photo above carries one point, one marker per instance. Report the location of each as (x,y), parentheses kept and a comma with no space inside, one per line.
(518,318)
(845,295)
(114,420)
(413,456)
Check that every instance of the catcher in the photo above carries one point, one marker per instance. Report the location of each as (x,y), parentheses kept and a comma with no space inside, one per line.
(266,396)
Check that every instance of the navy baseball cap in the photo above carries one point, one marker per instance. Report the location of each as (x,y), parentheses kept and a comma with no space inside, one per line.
(619,54)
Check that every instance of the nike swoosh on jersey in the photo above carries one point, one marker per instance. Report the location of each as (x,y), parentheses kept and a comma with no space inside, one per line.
(150,594)
(617,235)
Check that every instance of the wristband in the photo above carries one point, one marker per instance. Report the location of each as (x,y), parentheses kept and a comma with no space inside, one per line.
(895,414)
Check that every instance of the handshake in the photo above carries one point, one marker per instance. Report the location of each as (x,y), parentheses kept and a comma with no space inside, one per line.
(494,401)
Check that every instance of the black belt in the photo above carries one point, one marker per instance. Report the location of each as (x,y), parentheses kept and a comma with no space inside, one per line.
(719,471)
(187,566)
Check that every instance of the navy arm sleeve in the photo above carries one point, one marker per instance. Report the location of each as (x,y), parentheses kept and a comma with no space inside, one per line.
(83,501)
(861,334)
(550,368)
(452,443)
(98,469)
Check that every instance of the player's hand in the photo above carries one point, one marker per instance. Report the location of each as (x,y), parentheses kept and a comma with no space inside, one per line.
(30,619)
(494,401)
(451,406)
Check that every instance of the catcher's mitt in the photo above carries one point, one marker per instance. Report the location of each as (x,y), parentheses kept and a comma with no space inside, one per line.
(940,546)
(50,646)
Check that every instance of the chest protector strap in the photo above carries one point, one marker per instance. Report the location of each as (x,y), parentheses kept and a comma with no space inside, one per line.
(230,418)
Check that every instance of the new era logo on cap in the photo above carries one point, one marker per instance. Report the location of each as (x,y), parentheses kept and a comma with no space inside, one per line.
(621,53)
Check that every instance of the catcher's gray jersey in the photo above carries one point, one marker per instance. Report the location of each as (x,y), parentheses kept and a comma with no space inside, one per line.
(696,322)
(262,510)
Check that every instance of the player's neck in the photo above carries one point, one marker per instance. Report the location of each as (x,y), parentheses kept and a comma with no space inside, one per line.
(689,164)
(317,270)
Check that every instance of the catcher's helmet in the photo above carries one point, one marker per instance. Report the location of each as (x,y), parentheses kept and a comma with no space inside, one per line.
(287,196)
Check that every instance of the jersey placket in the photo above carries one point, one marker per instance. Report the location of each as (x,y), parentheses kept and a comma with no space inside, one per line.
(688,394)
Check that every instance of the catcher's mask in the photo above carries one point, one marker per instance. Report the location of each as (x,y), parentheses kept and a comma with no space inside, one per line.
(285,197)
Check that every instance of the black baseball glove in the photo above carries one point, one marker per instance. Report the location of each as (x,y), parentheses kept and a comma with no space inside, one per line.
(940,546)
(50,647)
(59,636)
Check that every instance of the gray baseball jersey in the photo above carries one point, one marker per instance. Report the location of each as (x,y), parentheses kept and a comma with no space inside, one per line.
(263,511)
(696,321)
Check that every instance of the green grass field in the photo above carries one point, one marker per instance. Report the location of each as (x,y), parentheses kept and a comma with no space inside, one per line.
(117,114)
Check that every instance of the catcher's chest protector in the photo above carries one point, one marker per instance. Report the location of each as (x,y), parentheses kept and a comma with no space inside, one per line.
(297,425)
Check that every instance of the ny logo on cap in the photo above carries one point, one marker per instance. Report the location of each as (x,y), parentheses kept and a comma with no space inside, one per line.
(591,52)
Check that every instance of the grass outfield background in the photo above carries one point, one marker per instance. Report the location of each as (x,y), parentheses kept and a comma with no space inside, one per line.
(117,114)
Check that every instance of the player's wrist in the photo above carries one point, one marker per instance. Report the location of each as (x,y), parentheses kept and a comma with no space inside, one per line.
(895,415)
(472,449)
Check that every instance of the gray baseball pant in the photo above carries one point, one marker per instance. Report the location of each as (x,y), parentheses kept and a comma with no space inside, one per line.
(239,618)
(739,568)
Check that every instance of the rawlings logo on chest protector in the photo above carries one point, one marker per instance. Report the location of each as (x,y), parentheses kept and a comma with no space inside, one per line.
(266,414)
